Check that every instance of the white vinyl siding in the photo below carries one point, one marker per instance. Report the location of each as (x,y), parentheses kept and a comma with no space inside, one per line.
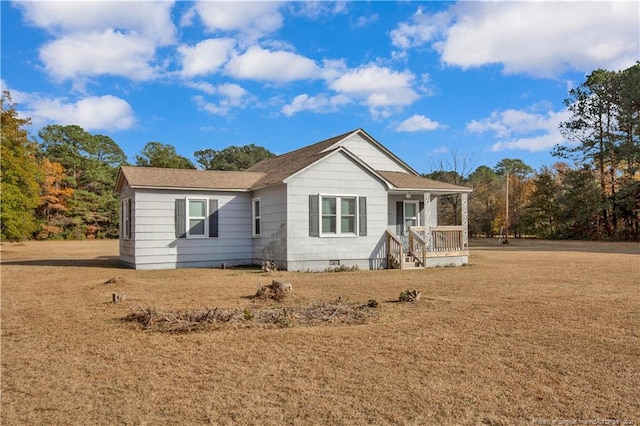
(127,245)
(272,244)
(371,155)
(156,244)
(336,175)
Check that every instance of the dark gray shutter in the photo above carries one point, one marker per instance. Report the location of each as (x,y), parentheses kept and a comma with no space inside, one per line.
(314,216)
(399,218)
(123,212)
(181,218)
(130,216)
(362,212)
(422,215)
(213,218)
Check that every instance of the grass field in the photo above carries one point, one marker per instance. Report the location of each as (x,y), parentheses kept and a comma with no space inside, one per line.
(530,333)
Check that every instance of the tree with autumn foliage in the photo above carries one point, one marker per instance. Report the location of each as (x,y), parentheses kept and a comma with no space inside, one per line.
(20,175)
(89,165)
(54,200)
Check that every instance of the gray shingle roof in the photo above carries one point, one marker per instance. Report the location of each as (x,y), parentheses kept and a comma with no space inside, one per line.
(268,172)
(155,177)
(277,169)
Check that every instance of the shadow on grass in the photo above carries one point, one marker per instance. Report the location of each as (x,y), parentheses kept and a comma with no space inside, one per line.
(109,262)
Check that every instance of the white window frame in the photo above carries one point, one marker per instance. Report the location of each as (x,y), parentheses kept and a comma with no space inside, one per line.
(205,218)
(256,217)
(339,233)
(125,219)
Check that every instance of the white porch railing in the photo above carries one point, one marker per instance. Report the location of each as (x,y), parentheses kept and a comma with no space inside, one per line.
(394,245)
(418,246)
(440,241)
(442,238)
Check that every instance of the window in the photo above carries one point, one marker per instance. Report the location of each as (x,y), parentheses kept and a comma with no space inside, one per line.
(125,216)
(339,220)
(337,215)
(256,217)
(194,220)
(197,218)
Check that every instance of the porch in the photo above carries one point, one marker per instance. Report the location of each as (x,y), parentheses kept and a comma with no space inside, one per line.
(416,239)
(424,247)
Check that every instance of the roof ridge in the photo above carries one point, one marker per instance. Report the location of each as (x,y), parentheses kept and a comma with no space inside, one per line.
(308,147)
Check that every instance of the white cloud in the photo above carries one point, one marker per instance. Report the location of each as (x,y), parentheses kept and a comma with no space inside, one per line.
(232,91)
(96,38)
(522,129)
(232,96)
(92,113)
(422,29)
(317,9)
(382,89)
(251,20)
(275,66)
(538,38)
(532,144)
(206,56)
(149,19)
(321,103)
(365,20)
(94,54)
(203,86)
(418,123)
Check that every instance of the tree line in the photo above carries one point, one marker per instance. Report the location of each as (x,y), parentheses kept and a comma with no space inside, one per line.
(596,196)
(60,184)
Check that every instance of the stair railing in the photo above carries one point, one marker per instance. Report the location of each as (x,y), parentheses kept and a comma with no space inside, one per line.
(394,256)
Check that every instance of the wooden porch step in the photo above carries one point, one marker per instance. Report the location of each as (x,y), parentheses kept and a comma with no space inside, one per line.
(410,262)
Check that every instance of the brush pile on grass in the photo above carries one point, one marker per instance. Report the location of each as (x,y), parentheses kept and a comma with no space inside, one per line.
(335,312)
(277,291)
(410,296)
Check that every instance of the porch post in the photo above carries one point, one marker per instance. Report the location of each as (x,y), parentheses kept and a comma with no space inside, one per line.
(465,222)
(427,219)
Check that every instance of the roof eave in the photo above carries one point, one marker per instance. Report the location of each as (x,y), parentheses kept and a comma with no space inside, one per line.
(434,190)
(190,188)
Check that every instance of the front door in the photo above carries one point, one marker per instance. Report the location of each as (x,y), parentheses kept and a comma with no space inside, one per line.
(411,215)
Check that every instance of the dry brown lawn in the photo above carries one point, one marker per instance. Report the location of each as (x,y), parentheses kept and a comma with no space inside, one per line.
(530,333)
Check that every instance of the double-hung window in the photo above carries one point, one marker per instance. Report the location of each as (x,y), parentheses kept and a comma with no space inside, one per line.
(197,218)
(125,219)
(339,215)
(256,216)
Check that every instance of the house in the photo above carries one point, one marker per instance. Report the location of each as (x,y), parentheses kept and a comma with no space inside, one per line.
(345,201)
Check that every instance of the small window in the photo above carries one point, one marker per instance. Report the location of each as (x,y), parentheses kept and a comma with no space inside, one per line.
(256,217)
(197,218)
(125,215)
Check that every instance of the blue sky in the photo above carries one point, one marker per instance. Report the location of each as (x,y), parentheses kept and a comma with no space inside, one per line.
(485,80)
